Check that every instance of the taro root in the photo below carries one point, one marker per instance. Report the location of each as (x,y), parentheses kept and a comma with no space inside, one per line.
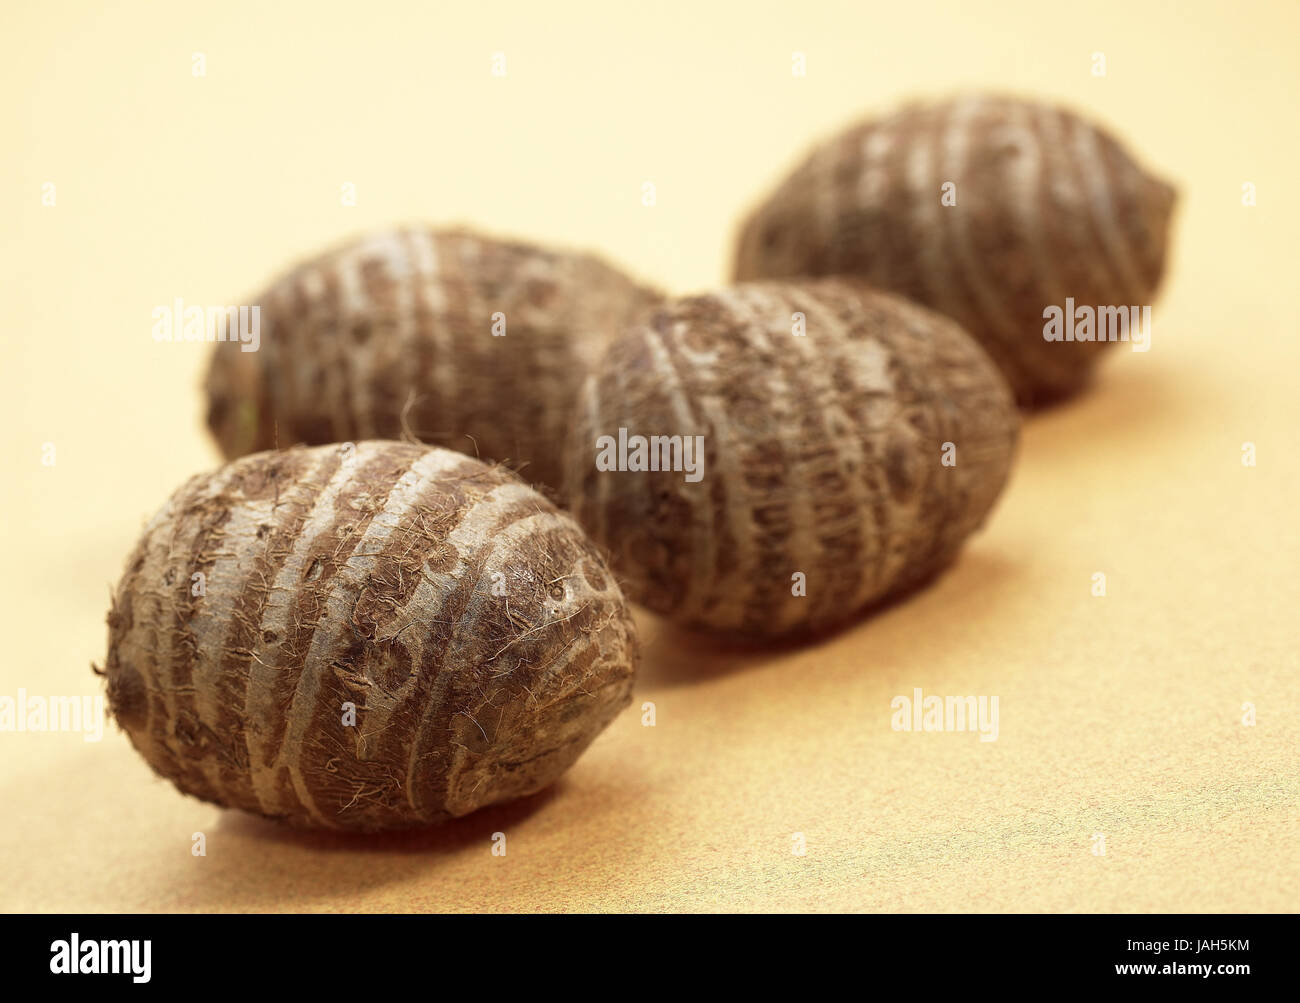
(849,443)
(367,636)
(455,339)
(990,209)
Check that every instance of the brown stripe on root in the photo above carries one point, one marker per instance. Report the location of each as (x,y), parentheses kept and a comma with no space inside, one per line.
(474,627)
(343,514)
(374,650)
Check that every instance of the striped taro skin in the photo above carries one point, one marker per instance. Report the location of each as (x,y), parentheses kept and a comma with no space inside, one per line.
(1047,207)
(822,453)
(480,636)
(407,315)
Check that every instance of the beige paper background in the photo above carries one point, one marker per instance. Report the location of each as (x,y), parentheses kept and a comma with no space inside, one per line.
(1118,715)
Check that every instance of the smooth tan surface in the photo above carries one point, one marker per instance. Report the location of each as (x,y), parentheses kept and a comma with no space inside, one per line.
(1118,715)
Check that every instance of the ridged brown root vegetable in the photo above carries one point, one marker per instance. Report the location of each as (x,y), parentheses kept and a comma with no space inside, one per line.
(476,631)
(407,317)
(859,455)
(1046,207)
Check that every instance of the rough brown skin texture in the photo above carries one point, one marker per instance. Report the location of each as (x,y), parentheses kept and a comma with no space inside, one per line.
(365,574)
(822,453)
(393,334)
(1048,206)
